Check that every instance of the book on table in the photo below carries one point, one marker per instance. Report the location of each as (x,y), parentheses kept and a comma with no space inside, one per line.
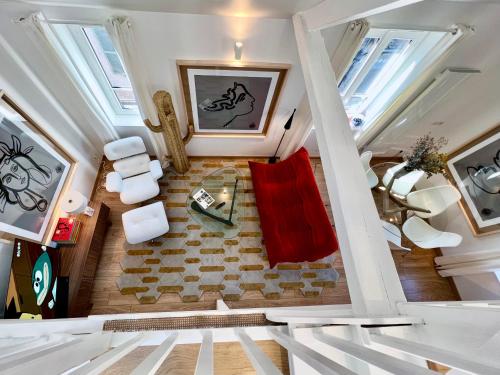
(67,231)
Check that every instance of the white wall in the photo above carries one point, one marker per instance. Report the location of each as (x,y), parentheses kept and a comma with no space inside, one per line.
(163,38)
(38,89)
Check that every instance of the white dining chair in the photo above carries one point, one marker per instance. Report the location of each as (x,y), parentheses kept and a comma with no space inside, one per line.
(436,199)
(425,236)
(393,235)
(401,185)
(366,157)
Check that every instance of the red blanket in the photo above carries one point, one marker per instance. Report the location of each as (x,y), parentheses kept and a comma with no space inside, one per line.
(293,218)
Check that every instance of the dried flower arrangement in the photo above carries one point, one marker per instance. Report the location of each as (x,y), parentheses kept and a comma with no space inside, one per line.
(425,156)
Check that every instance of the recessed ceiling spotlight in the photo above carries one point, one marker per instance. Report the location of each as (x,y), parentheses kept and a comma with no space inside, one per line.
(238,50)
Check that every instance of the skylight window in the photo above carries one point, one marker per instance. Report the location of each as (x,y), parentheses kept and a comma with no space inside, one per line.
(94,63)
(111,65)
(384,65)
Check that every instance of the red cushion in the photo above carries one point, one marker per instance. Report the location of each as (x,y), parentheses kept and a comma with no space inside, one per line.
(293,218)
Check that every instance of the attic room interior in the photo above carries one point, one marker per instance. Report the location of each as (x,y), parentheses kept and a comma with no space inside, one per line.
(183,159)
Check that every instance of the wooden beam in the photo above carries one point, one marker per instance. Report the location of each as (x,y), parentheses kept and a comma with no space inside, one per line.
(260,361)
(336,12)
(153,361)
(374,285)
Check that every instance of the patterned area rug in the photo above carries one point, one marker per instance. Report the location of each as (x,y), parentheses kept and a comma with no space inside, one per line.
(191,259)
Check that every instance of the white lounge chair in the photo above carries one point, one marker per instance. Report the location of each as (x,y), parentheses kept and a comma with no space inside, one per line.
(427,237)
(436,199)
(135,176)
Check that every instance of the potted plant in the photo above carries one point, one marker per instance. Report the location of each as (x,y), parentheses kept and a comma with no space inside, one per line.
(425,156)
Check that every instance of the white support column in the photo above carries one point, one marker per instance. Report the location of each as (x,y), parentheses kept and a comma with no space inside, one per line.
(439,355)
(260,362)
(153,361)
(312,358)
(205,363)
(383,361)
(60,358)
(374,285)
(101,363)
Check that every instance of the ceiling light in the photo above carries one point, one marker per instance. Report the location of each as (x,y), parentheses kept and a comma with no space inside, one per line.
(238,49)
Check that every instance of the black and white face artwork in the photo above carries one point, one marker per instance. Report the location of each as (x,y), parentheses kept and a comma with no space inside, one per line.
(30,178)
(478,172)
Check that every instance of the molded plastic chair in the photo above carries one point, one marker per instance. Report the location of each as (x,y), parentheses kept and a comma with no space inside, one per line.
(393,235)
(402,185)
(370,175)
(427,237)
(436,199)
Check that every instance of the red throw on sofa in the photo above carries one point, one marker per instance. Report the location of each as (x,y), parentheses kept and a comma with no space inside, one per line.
(293,218)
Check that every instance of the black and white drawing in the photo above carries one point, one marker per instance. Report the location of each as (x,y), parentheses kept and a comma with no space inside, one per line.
(231,100)
(32,174)
(477,174)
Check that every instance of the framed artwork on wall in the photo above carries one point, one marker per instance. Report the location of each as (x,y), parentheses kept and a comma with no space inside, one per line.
(231,99)
(33,171)
(475,170)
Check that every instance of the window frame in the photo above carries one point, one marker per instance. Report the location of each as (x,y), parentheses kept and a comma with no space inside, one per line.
(93,63)
(430,53)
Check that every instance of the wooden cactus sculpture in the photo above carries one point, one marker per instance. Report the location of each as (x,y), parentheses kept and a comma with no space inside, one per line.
(170,127)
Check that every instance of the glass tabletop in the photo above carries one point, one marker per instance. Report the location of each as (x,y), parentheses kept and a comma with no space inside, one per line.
(226,195)
(382,201)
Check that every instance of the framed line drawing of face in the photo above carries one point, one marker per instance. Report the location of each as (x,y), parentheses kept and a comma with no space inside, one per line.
(33,172)
(226,99)
(475,170)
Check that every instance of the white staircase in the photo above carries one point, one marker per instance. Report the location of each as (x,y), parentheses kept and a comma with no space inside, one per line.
(319,340)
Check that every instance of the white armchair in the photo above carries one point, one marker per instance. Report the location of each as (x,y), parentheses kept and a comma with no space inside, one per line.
(427,237)
(402,185)
(435,199)
(135,175)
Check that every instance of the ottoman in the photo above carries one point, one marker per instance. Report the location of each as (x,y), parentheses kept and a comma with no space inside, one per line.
(145,223)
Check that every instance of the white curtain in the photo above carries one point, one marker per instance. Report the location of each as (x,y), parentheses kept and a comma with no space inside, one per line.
(40,32)
(349,45)
(120,31)
(470,263)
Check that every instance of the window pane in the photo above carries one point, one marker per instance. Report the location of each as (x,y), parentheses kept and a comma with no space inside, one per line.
(111,64)
(389,55)
(358,61)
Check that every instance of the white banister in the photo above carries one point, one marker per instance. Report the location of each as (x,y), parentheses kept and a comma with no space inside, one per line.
(101,363)
(260,361)
(205,363)
(324,318)
(317,361)
(374,285)
(153,361)
(60,358)
(383,361)
(446,357)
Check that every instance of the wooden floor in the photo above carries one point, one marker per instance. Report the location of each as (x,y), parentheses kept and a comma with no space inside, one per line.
(416,270)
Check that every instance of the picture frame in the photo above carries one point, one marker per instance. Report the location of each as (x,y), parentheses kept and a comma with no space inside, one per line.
(230,99)
(474,169)
(34,171)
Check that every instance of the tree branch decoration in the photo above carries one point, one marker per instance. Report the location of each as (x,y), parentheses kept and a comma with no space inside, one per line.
(170,127)
(425,156)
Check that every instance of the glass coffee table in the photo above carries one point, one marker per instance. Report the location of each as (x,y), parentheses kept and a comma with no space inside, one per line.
(227,188)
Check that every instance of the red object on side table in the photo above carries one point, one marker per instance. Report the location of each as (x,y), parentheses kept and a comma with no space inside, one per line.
(293,218)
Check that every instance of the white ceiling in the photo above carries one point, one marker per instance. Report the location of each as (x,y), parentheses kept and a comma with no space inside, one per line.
(240,8)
